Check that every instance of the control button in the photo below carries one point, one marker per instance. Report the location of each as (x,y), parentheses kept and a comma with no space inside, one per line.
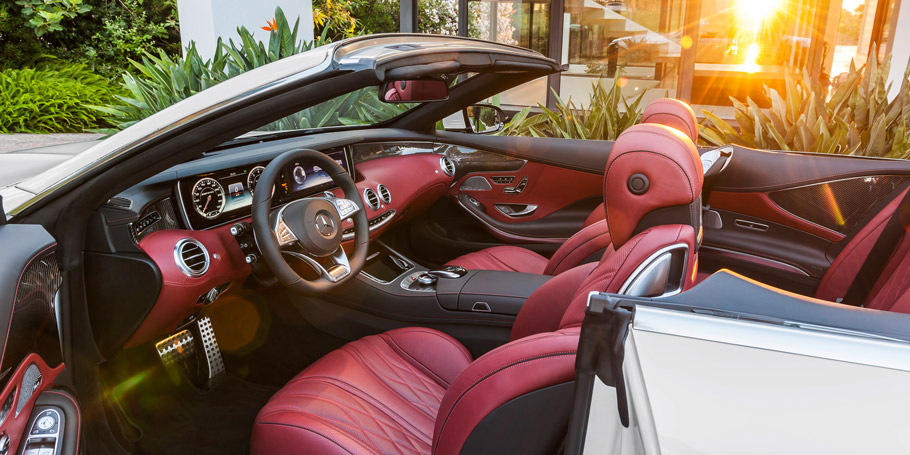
(251,259)
(45,423)
(426,279)
(239,229)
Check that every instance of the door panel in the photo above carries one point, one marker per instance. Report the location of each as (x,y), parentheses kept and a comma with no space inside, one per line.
(533,202)
(793,209)
(528,192)
(31,357)
(719,368)
(716,385)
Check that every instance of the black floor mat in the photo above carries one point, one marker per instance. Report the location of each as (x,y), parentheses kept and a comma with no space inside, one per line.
(271,344)
(179,419)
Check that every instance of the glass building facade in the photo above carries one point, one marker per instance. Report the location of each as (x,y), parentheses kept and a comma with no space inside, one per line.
(700,51)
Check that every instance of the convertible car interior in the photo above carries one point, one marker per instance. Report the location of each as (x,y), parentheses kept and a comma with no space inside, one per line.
(394,288)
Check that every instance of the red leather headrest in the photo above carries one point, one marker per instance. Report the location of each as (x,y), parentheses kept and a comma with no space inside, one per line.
(672,113)
(651,167)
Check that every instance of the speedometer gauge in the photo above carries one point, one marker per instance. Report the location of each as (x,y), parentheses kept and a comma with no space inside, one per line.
(208,198)
(253,178)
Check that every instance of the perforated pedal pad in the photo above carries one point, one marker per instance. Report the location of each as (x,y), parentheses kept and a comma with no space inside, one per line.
(176,349)
(213,361)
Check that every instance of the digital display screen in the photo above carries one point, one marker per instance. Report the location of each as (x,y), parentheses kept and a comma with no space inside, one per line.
(212,199)
(303,177)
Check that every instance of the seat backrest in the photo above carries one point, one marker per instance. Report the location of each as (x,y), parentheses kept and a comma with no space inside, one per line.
(517,398)
(668,112)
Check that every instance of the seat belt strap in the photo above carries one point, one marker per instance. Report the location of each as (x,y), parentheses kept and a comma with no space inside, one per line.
(880,254)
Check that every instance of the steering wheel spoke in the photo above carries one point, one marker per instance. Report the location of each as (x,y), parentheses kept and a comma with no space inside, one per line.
(332,268)
(284,234)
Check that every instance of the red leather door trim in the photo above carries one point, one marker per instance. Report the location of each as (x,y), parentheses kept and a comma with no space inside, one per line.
(550,188)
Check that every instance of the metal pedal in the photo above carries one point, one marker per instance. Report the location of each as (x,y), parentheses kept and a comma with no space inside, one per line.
(176,349)
(214,365)
(193,354)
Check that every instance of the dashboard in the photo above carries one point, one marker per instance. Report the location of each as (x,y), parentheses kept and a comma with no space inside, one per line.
(215,198)
(192,207)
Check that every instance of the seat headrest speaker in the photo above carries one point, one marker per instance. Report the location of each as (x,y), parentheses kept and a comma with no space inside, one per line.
(653,177)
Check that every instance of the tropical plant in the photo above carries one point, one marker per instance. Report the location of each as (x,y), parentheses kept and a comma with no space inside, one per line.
(856,119)
(608,114)
(164,80)
(51,100)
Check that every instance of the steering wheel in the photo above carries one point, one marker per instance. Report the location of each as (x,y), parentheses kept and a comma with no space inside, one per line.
(310,229)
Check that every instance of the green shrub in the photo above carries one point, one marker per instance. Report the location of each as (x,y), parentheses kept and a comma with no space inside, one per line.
(51,100)
(857,118)
(608,114)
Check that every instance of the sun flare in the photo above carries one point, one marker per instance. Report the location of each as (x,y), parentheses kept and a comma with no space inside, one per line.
(755,12)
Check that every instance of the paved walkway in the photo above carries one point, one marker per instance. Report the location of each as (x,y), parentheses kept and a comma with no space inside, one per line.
(13,142)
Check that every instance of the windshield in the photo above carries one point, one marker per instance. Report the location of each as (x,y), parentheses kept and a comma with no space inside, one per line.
(362,107)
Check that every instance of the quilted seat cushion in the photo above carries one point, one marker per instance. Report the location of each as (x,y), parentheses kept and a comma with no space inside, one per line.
(376,395)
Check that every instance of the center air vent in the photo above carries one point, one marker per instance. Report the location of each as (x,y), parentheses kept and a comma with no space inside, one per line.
(371,199)
(384,193)
(447,166)
(191,257)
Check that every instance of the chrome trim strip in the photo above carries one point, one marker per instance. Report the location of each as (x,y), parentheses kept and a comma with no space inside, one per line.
(366,199)
(379,188)
(529,209)
(862,349)
(346,237)
(442,164)
(647,263)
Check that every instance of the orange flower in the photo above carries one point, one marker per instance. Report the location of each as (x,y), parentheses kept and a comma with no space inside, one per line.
(272,27)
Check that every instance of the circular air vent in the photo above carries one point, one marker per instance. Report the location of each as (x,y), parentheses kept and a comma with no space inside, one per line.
(447,166)
(384,193)
(191,257)
(371,199)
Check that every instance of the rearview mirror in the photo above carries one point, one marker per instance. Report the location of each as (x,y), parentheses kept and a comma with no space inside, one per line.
(484,119)
(414,91)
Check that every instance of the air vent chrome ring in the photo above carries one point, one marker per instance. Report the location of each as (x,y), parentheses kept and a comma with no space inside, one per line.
(447,165)
(191,257)
(384,193)
(371,199)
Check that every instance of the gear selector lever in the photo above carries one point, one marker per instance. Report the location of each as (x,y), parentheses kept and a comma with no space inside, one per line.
(452,272)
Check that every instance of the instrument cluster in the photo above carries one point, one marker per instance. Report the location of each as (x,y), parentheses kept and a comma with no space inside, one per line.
(219,197)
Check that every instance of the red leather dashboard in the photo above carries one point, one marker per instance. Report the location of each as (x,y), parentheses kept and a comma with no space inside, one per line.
(414,181)
(179,292)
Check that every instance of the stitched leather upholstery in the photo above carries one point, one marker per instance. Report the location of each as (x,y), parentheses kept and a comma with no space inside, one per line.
(417,391)
(379,394)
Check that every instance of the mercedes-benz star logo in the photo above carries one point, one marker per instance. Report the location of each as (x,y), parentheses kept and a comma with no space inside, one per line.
(324,225)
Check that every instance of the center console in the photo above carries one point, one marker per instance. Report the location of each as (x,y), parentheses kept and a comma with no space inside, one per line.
(454,288)
(477,307)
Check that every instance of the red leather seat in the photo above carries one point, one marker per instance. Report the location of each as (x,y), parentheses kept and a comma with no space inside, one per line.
(892,290)
(418,391)
(594,235)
